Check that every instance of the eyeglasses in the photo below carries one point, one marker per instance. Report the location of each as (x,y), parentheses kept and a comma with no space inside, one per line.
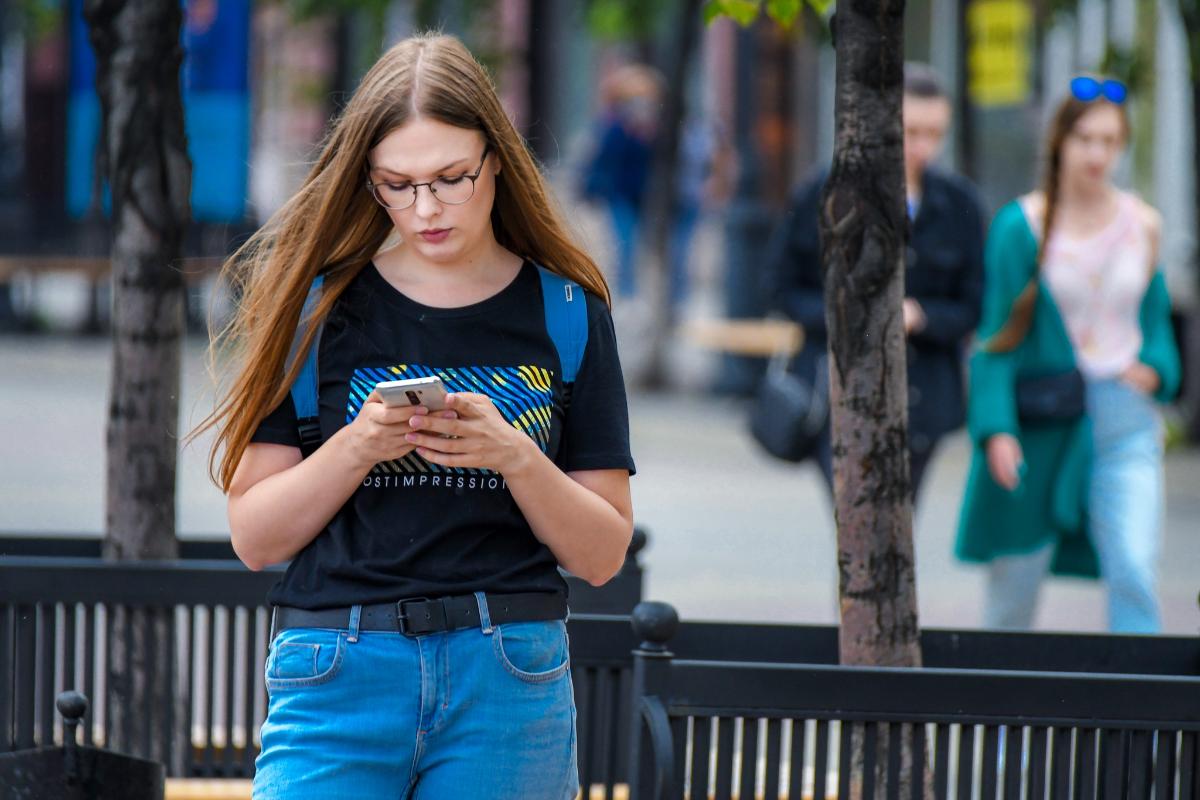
(454,191)
(1087,89)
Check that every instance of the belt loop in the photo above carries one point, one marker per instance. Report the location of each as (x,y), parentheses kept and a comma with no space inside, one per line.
(485,619)
(355,614)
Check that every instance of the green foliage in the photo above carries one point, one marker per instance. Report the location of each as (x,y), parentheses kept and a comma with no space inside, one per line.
(743,12)
(40,18)
(1132,66)
(624,20)
(784,12)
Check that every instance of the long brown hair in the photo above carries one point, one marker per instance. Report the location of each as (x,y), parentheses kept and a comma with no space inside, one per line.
(1068,113)
(333,226)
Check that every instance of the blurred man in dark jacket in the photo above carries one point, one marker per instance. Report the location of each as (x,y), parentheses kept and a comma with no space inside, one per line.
(943,276)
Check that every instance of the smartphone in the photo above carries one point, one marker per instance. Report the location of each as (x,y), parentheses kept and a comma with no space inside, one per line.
(428,392)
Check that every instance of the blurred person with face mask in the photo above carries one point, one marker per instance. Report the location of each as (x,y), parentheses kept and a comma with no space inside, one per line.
(943,275)
(617,173)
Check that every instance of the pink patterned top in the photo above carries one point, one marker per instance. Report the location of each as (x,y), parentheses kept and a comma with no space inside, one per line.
(1098,282)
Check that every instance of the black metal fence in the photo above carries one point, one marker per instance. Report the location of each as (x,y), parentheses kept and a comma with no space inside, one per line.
(741,705)
(734,728)
(57,617)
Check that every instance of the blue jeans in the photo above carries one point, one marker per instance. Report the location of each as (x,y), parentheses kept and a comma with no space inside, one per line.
(1125,510)
(485,712)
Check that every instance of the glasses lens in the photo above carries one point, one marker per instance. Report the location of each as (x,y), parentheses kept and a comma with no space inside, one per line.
(1115,92)
(454,190)
(1085,88)
(395,196)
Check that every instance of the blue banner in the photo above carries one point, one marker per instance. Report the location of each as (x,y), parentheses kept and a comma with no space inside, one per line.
(216,106)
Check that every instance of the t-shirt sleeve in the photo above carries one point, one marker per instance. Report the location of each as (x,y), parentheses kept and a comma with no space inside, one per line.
(279,427)
(596,431)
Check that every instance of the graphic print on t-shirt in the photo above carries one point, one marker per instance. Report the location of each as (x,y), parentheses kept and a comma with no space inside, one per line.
(523,395)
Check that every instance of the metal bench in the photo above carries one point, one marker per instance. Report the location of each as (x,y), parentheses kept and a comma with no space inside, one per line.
(736,728)
(56,622)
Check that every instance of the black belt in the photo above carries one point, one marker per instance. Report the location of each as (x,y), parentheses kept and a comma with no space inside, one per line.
(420,615)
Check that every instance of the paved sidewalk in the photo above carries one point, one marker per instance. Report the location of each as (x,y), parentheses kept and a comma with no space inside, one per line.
(734,535)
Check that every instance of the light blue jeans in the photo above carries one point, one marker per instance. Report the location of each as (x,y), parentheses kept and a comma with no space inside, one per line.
(483,713)
(1125,510)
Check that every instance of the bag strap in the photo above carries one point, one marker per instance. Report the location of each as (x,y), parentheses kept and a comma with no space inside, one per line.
(304,390)
(566,321)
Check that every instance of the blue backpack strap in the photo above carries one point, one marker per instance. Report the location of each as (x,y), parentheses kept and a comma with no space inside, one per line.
(566,321)
(304,390)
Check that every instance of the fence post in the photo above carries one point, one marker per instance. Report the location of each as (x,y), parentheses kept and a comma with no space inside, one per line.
(651,772)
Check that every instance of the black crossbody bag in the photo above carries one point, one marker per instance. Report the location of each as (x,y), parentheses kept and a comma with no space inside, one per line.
(1056,398)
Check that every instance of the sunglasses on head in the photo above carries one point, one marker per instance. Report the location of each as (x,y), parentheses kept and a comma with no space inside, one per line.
(1087,89)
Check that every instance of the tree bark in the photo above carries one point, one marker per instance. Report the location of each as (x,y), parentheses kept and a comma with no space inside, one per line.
(863,226)
(138,56)
(863,230)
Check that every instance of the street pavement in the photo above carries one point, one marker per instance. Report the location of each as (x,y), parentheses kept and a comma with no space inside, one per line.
(733,534)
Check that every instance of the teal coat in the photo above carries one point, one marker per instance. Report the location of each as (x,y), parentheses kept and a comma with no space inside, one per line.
(1050,505)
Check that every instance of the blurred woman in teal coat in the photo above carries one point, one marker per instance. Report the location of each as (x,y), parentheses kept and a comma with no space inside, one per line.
(1075,349)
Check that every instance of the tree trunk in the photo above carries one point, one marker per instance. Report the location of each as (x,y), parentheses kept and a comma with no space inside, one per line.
(138,57)
(863,225)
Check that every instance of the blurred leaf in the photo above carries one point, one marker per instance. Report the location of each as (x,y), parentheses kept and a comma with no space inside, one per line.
(784,11)
(1130,66)
(822,7)
(743,12)
(40,17)
(625,19)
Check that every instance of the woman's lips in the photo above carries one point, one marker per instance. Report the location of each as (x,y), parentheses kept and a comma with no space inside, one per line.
(434,235)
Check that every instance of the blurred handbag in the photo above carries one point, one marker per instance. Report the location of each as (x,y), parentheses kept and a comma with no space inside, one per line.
(1061,397)
(791,407)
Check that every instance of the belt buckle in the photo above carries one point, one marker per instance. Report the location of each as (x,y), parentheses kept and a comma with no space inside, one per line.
(402,617)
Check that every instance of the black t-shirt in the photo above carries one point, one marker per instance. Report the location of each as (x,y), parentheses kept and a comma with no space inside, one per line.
(415,529)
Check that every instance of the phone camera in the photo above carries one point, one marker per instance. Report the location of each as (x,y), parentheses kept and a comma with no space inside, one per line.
(412,397)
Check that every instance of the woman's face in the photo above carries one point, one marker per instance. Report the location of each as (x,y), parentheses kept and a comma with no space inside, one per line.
(423,151)
(1091,150)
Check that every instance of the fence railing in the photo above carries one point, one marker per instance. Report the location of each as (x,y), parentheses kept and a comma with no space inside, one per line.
(59,615)
(733,728)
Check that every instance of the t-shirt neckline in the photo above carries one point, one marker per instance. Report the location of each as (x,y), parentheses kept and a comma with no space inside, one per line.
(382,288)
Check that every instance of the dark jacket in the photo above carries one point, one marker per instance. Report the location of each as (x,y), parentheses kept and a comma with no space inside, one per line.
(944,274)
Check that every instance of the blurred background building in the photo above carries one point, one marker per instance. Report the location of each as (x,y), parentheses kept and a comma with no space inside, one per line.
(261,79)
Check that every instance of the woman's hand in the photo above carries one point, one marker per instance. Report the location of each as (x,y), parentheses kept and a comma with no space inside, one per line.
(1143,378)
(478,437)
(1005,460)
(378,432)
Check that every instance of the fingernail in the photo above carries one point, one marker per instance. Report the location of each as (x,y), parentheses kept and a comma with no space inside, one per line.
(410,437)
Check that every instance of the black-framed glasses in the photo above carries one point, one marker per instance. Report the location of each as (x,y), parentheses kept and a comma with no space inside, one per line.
(1087,89)
(399,195)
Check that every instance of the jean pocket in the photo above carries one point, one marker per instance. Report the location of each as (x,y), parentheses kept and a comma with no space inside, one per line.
(535,652)
(304,657)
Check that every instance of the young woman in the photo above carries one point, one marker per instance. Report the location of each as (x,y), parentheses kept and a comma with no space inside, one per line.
(419,645)
(1076,346)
